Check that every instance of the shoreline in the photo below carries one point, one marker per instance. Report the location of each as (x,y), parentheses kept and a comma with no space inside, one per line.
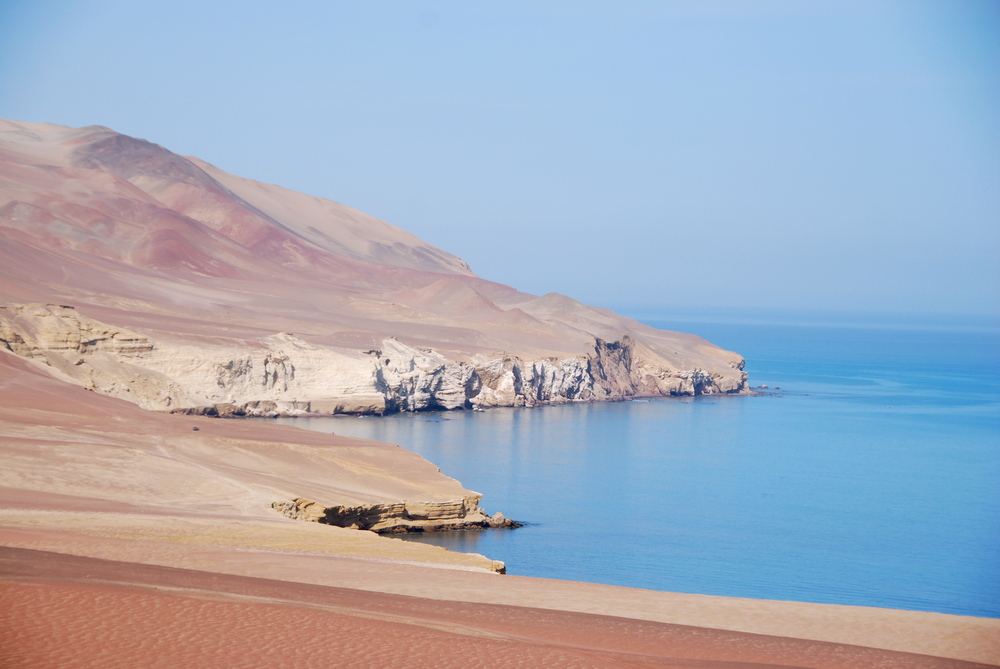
(228,411)
(112,495)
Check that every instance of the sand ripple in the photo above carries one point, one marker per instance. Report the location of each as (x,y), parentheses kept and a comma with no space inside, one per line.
(66,611)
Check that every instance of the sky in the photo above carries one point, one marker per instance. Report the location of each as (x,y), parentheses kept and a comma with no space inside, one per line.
(636,155)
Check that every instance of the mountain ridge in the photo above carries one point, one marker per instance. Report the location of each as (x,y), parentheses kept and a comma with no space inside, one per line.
(210,267)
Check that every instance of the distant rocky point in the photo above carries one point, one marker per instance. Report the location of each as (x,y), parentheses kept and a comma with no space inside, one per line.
(165,281)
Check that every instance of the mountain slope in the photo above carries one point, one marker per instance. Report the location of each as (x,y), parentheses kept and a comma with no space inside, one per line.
(244,297)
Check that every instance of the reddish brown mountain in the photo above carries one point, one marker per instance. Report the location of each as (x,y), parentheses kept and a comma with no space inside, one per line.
(242,296)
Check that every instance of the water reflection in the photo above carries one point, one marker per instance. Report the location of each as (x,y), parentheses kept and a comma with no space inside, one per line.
(821,493)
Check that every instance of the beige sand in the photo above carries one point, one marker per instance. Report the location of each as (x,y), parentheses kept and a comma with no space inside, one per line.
(90,476)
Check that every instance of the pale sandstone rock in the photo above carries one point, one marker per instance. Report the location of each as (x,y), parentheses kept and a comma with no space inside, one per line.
(405,516)
(283,374)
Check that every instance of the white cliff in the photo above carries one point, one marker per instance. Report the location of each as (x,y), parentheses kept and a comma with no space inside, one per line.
(283,374)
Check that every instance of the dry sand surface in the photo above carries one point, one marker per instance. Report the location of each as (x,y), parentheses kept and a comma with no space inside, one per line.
(133,540)
(62,610)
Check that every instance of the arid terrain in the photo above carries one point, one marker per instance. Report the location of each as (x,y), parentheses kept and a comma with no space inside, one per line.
(165,281)
(143,293)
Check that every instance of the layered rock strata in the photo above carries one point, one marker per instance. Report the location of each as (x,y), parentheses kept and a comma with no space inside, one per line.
(398,517)
(285,375)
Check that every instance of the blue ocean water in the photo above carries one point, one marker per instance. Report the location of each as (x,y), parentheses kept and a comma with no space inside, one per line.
(872,477)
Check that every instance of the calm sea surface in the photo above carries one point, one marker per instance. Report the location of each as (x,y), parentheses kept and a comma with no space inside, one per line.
(872,477)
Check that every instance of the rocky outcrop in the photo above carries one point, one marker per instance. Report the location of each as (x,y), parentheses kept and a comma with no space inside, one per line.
(401,517)
(285,375)
(398,517)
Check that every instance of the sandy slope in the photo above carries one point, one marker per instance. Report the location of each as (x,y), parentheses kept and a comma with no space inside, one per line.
(117,470)
(111,613)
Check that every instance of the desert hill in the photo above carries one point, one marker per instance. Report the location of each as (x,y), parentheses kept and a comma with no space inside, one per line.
(161,279)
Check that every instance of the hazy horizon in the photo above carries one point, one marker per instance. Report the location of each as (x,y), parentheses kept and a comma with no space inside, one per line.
(771,155)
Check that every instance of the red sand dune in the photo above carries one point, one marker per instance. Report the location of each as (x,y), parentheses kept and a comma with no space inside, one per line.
(58,610)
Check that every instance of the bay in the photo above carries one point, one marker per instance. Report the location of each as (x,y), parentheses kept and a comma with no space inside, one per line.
(871,477)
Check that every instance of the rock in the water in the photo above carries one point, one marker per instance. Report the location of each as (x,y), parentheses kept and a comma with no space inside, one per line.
(461,514)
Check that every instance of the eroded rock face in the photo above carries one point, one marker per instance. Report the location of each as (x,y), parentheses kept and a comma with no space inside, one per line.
(398,517)
(401,517)
(284,375)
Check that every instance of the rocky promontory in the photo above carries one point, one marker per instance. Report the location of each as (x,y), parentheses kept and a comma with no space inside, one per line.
(161,279)
(286,375)
(460,514)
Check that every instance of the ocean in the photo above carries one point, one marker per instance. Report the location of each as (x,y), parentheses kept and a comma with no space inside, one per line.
(867,474)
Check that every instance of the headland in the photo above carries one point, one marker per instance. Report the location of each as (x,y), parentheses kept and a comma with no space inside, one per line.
(143,292)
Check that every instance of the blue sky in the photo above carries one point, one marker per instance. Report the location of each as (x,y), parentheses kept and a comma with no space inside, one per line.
(636,155)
